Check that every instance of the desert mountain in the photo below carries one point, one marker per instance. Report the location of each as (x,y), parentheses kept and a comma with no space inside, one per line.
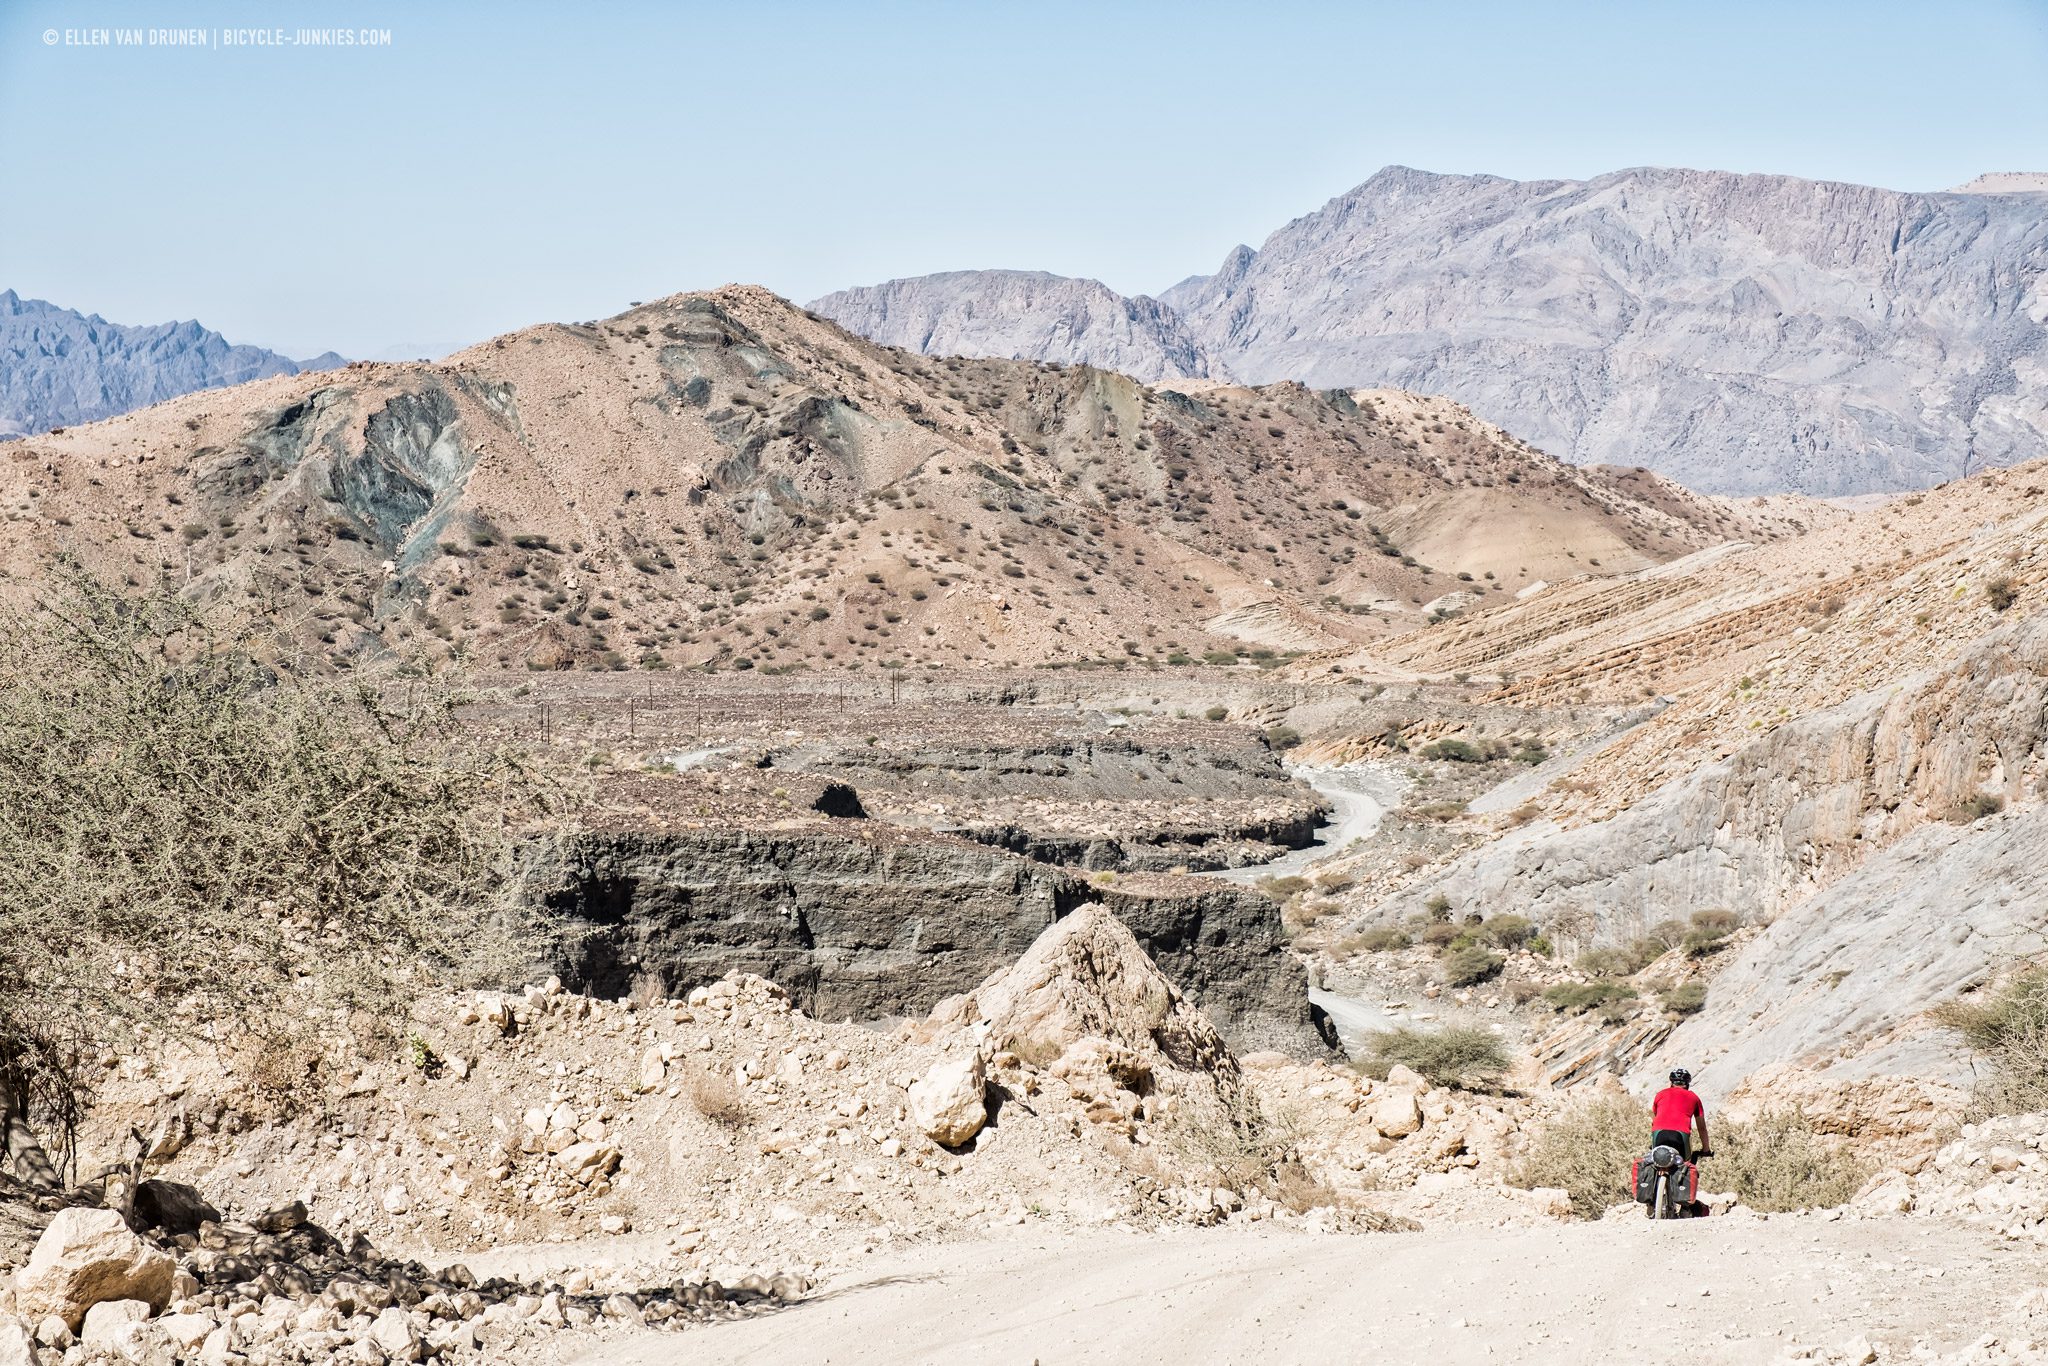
(59,367)
(721,478)
(1739,333)
(1030,314)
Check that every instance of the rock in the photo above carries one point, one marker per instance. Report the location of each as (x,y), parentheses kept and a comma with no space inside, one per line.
(1088,977)
(104,1321)
(1550,1200)
(74,368)
(395,1336)
(16,1347)
(185,1331)
(217,1347)
(283,1219)
(1023,313)
(949,1104)
(653,1070)
(88,1256)
(54,1332)
(173,1207)
(1404,1078)
(1396,1115)
(586,1161)
(1224,946)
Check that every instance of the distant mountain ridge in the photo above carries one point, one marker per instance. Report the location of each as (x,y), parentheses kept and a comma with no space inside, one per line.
(1741,333)
(60,367)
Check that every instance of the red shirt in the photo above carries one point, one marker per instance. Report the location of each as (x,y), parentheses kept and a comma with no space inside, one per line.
(1674,1108)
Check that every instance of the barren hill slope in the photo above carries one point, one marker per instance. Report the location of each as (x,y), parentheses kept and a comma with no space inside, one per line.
(722,478)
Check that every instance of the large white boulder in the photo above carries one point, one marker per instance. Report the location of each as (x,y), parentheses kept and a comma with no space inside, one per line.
(949,1103)
(86,1257)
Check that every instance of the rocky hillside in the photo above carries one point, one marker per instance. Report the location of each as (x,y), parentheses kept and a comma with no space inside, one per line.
(723,479)
(1849,751)
(59,367)
(1740,333)
(1030,314)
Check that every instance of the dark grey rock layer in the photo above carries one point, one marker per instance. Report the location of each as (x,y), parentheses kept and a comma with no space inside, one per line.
(865,923)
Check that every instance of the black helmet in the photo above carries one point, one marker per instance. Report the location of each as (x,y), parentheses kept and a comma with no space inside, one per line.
(1680,1077)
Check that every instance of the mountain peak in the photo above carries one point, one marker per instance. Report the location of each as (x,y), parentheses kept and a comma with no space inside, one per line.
(1658,316)
(60,367)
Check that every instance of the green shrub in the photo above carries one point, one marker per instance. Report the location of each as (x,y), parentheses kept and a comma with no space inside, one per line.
(1438,906)
(1687,998)
(1455,1055)
(1281,888)
(1441,934)
(1574,998)
(1464,966)
(2001,593)
(1283,737)
(1509,931)
(1623,961)
(1457,751)
(1380,939)
(1216,714)
(1774,1163)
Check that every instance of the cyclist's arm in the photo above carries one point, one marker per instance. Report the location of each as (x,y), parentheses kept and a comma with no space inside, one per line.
(1700,1118)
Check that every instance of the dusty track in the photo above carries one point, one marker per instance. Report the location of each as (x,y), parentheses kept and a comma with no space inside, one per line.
(1723,1291)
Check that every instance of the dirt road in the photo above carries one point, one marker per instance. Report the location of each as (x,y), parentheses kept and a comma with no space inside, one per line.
(1359,794)
(1715,1291)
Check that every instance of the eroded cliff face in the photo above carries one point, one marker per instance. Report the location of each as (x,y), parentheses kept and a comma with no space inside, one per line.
(864,922)
(1791,813)
(1835,984)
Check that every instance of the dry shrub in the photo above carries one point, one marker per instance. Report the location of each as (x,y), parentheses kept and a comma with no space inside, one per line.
(285,1078)
(1778,1161)
(1455,1055)
(717,1097)
(1775,1162)
(1586,1150)
(647,990)
(1468,964)
(2008,1031)
(1294,1187)
(198,834)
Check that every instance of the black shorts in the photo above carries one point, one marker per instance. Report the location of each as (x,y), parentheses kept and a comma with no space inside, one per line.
(1674,1139)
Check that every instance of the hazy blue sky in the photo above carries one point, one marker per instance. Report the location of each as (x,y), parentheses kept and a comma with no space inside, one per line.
(505,163)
